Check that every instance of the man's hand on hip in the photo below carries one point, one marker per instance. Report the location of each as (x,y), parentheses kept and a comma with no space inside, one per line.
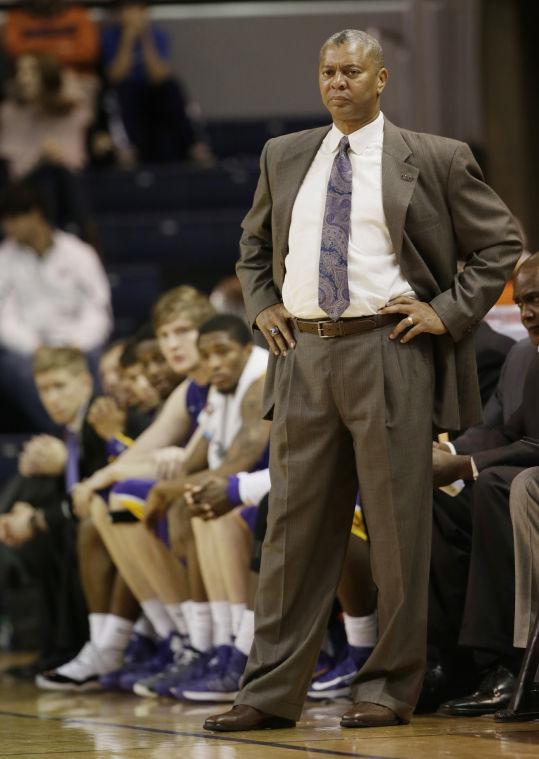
(273,322)
(420,317)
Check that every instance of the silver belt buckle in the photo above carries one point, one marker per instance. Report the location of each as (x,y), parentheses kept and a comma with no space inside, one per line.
(320,327)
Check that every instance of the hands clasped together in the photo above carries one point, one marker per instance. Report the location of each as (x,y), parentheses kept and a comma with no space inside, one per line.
(205,497)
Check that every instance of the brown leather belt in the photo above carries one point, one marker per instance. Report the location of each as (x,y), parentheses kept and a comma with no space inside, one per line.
(353,326)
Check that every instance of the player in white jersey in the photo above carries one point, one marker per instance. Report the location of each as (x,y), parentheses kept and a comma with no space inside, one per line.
(234,440)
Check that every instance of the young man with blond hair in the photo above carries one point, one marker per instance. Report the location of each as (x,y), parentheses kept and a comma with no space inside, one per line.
(146,564)
(39,523)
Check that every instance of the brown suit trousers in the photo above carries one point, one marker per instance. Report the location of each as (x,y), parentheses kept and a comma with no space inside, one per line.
(348,411)
(524,503)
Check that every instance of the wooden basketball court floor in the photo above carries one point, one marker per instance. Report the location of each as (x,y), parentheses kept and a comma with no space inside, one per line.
(36,724)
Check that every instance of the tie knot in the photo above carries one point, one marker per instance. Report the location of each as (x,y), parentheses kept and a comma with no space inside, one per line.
(344,144)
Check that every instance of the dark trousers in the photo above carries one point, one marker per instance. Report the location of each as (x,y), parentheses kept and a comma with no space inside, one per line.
(50,559)
(449,567)
(472,575)
(489,608)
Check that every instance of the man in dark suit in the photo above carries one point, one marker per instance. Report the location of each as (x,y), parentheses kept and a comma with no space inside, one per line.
(348,280)
(37,521)
(490,457)
(452,522)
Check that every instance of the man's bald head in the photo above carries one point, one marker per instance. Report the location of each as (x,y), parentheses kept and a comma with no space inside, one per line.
(529,267)
(357,37)
(526,295)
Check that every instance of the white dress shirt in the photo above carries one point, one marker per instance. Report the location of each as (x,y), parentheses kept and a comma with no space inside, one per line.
(59,298)
(374,276)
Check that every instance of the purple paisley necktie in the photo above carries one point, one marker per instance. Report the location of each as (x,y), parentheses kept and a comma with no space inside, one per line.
(333,293)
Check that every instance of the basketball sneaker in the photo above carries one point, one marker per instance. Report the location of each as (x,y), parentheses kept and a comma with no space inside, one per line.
(80,674)
(140,649)
(338,680)
(188,663)
(221,682)
(166,649)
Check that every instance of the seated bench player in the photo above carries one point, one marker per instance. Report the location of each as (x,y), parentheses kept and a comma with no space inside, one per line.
(39,523)
(164,577)
(234,440)
(175,316)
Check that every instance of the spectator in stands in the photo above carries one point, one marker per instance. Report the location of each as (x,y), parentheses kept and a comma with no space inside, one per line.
(38,522)
(53,291)
(39,122)
(153,108)
(62,29)
(43,126)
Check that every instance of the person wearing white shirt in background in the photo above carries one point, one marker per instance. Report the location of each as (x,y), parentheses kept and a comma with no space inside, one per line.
(53,291)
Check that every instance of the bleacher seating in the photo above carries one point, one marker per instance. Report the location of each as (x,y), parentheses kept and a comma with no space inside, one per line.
(159,226)
(172,188)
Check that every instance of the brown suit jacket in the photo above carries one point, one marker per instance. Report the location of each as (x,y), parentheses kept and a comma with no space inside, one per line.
(438,211)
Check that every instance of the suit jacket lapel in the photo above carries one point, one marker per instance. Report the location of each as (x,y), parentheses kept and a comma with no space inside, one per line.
(399,178)
(291,171)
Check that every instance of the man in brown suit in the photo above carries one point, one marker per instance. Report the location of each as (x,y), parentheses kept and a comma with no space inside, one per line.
(525,517)
(524,503)
(347,279)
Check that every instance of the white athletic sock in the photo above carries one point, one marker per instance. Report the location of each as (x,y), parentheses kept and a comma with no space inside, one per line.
(175,612)
(246,632)
(361,632)
(113,641)
(97,624)
(144,627)
(237,614)
(156,612)
(199,623)
(86,664)
(221,615)
(116,632)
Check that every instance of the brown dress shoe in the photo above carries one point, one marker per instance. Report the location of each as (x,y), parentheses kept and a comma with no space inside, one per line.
(243,717)
(365,714)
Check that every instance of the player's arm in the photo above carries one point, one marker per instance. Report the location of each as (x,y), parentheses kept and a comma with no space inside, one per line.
(170,427)
(252,438)
(244,452)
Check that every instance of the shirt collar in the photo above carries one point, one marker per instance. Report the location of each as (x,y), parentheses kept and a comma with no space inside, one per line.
(77,424)
(371,134)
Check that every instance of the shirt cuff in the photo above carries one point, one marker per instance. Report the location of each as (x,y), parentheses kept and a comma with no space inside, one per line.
(451,447)
(233,490)
(475,470)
